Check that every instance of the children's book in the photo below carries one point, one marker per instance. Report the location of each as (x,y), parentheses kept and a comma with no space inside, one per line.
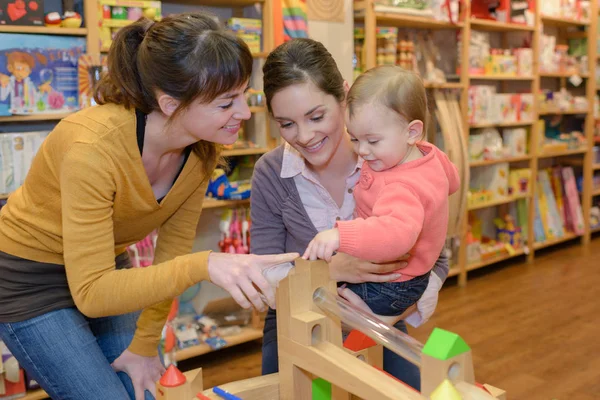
(38,73)
(572,203)
(17,151)
(548,209)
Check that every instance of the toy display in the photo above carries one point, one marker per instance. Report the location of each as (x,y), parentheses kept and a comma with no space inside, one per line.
(12,376)
(16,155)
(560,58)
(249,30)
(488,144)
(89,73)
(221,188)
(235,231)
(115,14)
(315,363)
(578,10)
(38,74)
(485,60)
(22,12)
(485,106)
(563,100)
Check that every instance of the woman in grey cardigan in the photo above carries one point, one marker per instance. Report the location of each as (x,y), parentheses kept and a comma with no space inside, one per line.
(304,186)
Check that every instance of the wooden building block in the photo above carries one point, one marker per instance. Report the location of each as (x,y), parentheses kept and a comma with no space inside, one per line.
(357,341)
(308,327)
(321,389)
(494,391)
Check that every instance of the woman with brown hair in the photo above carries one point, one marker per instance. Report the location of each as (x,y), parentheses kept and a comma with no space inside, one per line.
(304,186)
(105,178)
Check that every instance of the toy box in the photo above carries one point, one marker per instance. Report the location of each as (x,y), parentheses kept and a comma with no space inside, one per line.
(515,141)
(38,73)
(21,12)
(17,151)
(12,377)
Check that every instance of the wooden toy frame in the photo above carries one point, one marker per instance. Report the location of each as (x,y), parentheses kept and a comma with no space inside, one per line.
(310,346)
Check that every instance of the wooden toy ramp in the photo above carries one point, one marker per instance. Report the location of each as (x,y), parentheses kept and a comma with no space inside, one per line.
(314,364)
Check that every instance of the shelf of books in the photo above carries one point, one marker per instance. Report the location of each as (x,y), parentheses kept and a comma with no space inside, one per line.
(524,77)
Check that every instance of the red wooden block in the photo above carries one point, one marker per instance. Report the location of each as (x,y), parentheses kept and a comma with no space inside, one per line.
(357,341)
(173,377)
(480,386)
(392,376)
(13,388)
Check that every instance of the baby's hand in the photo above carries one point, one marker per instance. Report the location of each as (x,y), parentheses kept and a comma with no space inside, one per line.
(323,245)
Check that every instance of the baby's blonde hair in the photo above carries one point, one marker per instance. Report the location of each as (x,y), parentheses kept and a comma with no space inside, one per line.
(394,87)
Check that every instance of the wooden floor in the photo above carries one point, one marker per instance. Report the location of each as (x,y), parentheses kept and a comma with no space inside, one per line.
(534,329)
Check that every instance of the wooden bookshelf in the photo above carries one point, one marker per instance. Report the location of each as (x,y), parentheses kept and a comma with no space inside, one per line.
(500,160)
(562,153)
(556,111)
(445,85)
(497,202)
(258,109)
(34,117)
(247,334)
(213,203)
(495,26)
(551,242)
(245,152)
(562,74)
(42,30)
(494,260)
(564,22)
(501,124)
(502,77)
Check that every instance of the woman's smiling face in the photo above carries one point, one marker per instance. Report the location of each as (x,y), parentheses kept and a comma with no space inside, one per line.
(310,120)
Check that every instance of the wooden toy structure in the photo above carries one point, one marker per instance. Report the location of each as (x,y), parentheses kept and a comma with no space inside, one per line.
(314,364)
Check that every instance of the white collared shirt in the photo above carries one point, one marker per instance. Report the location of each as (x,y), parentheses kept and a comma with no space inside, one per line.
(320,206)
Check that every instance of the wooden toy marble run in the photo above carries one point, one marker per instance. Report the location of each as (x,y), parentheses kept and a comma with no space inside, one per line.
(314,364)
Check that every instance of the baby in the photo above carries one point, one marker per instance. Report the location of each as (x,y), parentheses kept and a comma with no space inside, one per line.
(402,194)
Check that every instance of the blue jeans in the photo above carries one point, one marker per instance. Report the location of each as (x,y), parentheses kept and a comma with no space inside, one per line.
(69,355)
(391,298)
(392,363)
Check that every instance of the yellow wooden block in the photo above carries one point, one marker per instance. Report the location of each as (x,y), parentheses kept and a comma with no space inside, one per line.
(446,391)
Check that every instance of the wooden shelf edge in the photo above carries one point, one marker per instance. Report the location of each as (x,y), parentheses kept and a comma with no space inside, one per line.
(548,243)
(409,21)
(507,200)
(498,161)
(212,203)
(494,260)
(560,21)
(562,153)
(244,152)
(262,54)
(42,30)
(501,124)
(248,334)
(35,395)
(445,85)
(501,77)
(35,117)
(496,26)
(563,112)
(596,166)
(258,109)
(562,75)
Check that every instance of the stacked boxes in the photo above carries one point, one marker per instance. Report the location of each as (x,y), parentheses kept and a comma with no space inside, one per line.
(247,29)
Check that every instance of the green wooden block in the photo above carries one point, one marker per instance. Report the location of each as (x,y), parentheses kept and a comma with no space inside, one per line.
(444,345)
(321,389)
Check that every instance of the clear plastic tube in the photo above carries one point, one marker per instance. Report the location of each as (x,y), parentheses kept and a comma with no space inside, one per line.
(388,336)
